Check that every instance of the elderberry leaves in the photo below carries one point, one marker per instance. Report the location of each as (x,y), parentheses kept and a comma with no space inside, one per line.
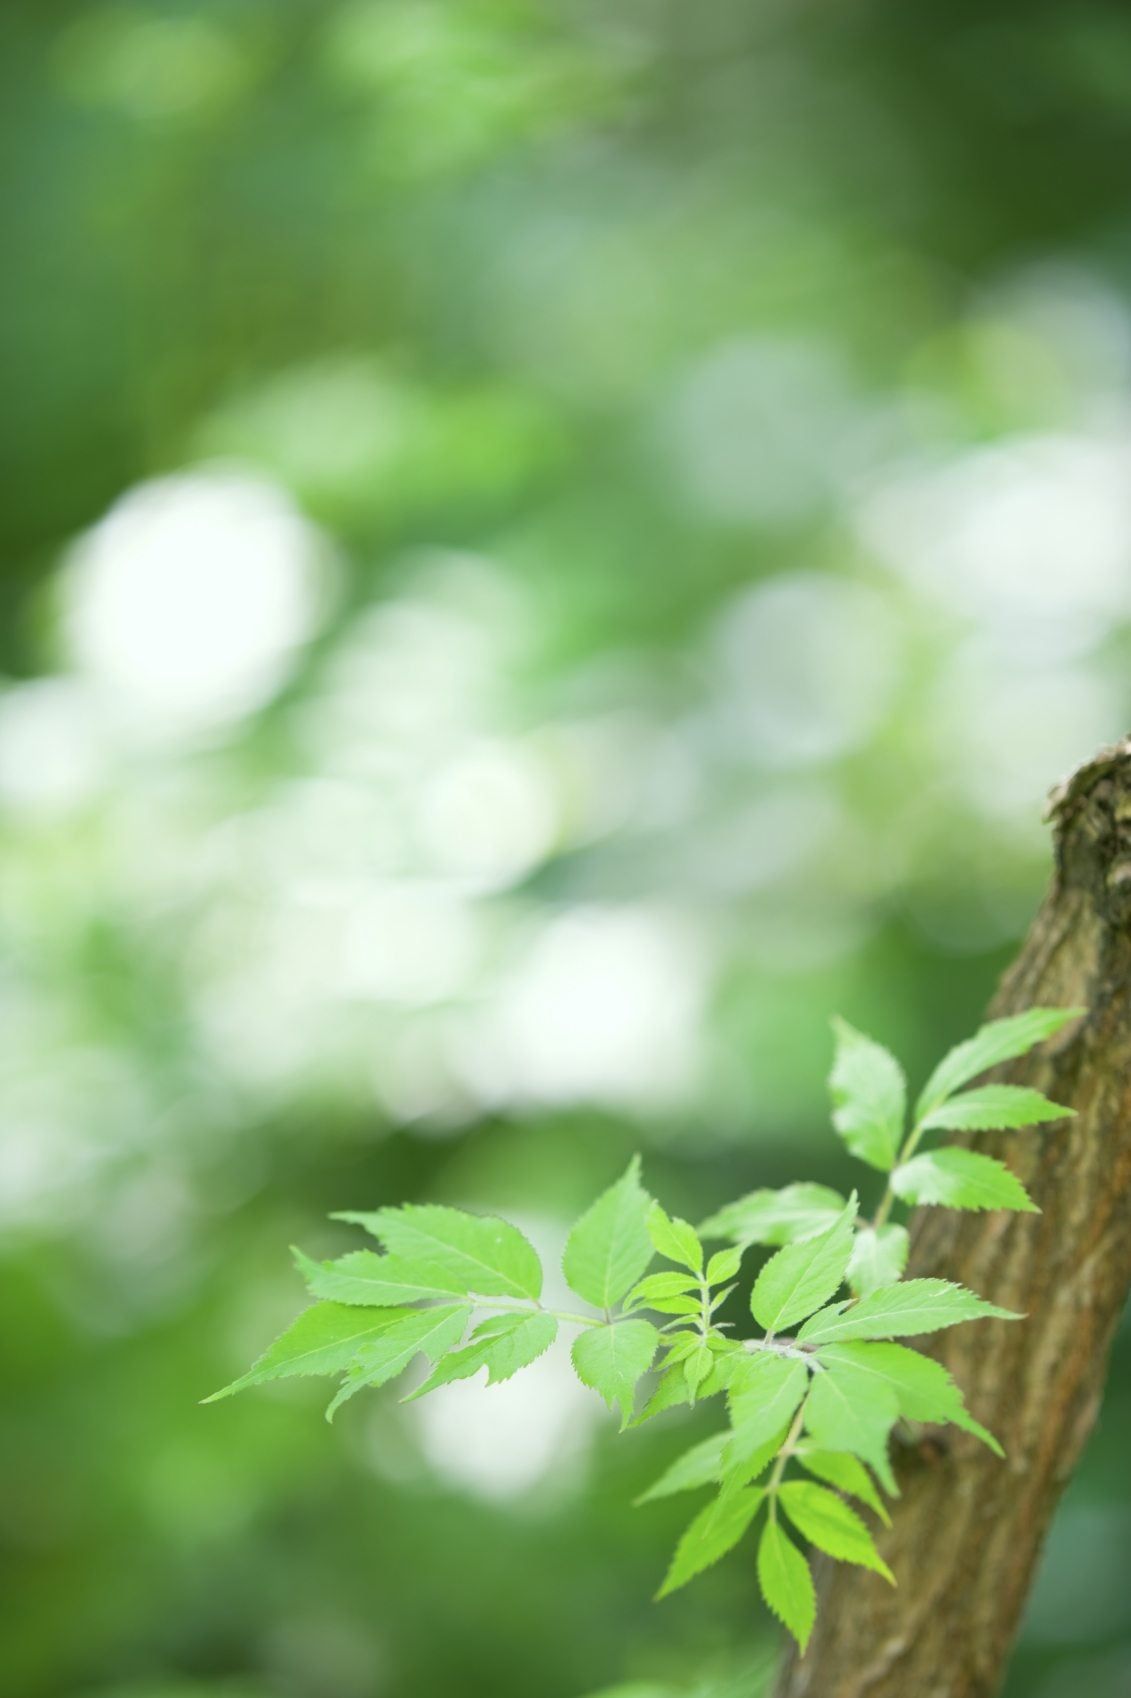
(906,1310)
(961,1179)
(994,1108)
(832,1525)
(869,1096)
(612,1359)
(879,1255)
(609,1248)
(998,1041)
(502,1345)
(443,1249)
(714,1531)
(803,1277)
(810,1401)
(776,1217)
(786,1582)
(429,1332)
(763,1400)
(325,1339)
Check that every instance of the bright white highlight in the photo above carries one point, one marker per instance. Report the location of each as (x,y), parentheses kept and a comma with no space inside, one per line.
(809,663)
(52,757)
(186,603)
(606,1005)
(499,1441)
(1031,537)
(488,817)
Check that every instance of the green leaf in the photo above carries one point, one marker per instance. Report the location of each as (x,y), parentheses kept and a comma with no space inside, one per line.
(832,1525)
(869,1097)
(906,1310)
(786,1583)
(676,1305)
(658,1287)
(323,1340)
(502,1345)
(961,1179)
(715,1531)
(675,1239)
(428,1332)
(696,1368)
(847,1473)
(998,1041)
(609,1248)
(671,1387)
(723,1265)
(747,1467)
(702,1465)
(849,1410)
(363,1277)
(680,1345)
(800,1278)
(922,1387)
(611,1359)
(763,1398)
(669,1392)
(457,1251)
(994,1108)
(776,1217)
(879,1256)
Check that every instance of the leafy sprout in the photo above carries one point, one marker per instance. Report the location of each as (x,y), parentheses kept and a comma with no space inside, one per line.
(811,1397)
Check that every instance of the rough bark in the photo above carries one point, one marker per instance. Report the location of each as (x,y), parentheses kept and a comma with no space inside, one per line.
(968,1530)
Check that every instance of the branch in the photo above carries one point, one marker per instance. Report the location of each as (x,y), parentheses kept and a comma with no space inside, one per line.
(968,1531)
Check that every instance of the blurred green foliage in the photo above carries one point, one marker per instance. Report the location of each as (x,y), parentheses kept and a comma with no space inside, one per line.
(546,550)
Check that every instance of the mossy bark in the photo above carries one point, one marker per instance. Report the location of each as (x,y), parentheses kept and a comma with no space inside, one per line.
(968,1529)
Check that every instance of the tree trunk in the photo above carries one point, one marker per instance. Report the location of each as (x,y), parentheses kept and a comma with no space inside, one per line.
(969,1528)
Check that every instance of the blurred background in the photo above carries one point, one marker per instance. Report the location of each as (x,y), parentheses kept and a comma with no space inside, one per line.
(547,550)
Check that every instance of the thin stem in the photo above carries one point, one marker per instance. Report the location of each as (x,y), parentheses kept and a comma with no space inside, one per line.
(785,1452)
(910,1145)
(536,1308)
